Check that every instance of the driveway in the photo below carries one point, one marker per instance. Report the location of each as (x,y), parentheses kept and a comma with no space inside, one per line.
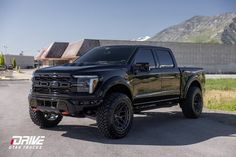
(161,132)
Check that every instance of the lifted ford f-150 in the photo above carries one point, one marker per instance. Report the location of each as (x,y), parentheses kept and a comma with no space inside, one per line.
(112,83)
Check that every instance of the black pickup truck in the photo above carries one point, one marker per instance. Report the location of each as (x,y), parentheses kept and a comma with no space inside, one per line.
(112,83)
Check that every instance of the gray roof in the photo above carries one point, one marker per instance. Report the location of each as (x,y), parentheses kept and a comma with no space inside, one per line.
(56,50)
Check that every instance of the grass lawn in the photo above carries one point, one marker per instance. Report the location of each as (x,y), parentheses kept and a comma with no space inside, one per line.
(221,84)
(220,94)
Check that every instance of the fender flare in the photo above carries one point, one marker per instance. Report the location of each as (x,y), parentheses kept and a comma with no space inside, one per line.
(190,81)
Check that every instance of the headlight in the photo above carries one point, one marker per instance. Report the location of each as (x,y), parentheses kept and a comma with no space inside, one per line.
(86,83)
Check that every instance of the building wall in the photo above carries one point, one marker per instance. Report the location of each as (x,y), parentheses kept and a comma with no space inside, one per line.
(22,61)
(214,58)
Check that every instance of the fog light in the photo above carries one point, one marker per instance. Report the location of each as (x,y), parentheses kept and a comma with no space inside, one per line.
(33,103)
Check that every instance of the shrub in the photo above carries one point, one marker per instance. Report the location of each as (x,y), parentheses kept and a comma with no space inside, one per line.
(2,59)
(13,62)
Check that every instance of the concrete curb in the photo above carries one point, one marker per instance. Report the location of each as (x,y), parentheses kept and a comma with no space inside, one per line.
(14,79)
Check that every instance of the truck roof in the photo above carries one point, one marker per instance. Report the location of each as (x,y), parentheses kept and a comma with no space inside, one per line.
(137,46)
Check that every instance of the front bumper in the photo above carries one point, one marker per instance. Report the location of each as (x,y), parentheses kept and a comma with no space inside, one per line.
(63,104)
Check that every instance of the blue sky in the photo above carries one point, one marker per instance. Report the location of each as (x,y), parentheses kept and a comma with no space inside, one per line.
(29,25)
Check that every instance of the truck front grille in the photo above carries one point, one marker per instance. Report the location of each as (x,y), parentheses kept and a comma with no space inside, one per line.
(52,83)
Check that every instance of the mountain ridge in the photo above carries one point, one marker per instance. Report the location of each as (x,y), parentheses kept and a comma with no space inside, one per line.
(201,29)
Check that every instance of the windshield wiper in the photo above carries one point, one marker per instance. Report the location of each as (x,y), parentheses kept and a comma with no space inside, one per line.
(97,62)
(102,62)
(111,62)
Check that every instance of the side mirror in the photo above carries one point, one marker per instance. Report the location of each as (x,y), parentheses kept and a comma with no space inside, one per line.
(141,67)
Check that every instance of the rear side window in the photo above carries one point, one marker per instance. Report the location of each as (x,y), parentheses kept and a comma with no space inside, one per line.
(145,56)
(165,59)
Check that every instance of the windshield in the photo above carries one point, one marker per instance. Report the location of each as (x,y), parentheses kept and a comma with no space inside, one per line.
(106,55)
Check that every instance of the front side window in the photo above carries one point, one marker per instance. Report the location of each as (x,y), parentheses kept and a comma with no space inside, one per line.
(145,56)
(164,58)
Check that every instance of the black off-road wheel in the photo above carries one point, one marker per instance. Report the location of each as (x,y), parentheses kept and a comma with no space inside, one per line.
(44,120)
(115,116)
(193,104)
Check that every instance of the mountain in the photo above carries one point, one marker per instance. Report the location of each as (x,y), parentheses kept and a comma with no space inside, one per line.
(201,29)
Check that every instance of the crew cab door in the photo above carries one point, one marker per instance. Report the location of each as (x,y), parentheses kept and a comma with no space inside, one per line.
(169,73)
(145,83)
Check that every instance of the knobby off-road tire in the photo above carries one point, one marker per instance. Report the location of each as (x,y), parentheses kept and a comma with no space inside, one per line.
(193,104)
(43,120)
(115,116)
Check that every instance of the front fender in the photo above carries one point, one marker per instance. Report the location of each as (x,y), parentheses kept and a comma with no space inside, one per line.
(115,81)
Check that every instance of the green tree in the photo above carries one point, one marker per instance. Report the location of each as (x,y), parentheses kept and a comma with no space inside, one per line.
(13,62)
(2,59)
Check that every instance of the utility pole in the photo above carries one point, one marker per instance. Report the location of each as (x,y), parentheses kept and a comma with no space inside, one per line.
(5,47)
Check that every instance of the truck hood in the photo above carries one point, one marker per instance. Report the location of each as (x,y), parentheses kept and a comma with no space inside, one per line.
(78,69)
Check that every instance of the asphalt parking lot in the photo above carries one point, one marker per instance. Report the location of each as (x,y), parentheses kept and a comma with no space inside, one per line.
(161,132)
